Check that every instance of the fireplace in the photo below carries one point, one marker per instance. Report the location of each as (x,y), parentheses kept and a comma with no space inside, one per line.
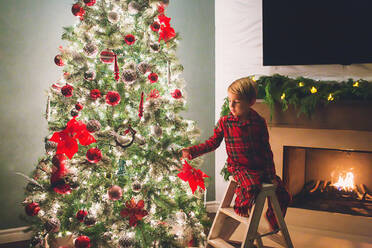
(340,132)
(333,180)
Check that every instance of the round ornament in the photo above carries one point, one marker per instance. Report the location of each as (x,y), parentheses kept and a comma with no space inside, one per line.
(90,75)
(107,56)
(115,193)
(93,126)
(113,17)
(90,49)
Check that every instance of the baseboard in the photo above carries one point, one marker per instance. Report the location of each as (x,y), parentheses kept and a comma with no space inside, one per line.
(14,235)
(212,206)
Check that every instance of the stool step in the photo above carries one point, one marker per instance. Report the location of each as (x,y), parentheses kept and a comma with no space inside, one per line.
(230,212)
(229,226)
(219,243)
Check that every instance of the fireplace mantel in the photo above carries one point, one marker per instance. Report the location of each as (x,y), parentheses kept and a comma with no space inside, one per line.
(344,115)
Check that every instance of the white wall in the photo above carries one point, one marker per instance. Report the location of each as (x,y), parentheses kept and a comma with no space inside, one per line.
(239,53)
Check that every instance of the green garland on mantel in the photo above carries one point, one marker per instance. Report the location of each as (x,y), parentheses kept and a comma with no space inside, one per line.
(306,94)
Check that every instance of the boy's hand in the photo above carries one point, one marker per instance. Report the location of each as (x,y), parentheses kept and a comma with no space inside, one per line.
(186,153)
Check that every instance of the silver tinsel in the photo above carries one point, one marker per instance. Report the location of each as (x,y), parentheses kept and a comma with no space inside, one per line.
(50,146)
(143,67)
(74,112)
(123,140)
(93,126)
(90,75)
(72,179)
(126,241)
(106,160)
(139,139)
(89,220)
(37,240)
(136,186)
(78,58)
(156,130)
(133,8)
(155,46)
(90,49)
(129,76)
(151,105)
(52,225)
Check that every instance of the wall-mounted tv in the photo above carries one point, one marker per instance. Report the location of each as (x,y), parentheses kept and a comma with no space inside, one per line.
(306,32)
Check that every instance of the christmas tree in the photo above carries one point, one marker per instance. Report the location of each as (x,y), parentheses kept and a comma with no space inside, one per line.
(112,175)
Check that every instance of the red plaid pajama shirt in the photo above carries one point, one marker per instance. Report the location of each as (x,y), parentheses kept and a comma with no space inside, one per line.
(250,160)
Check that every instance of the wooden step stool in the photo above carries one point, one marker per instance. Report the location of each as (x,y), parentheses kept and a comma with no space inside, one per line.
(226,223)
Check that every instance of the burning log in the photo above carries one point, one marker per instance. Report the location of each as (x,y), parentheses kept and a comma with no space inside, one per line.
(364,191)
(315,187)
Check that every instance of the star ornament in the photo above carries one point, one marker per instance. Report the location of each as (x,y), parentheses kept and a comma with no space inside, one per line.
(134,211)
(195,177)
(67,139)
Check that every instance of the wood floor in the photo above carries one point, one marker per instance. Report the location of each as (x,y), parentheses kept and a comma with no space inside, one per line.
(22,244)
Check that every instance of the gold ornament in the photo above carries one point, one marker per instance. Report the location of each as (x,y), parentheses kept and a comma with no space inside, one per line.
(300,84)
(356,84)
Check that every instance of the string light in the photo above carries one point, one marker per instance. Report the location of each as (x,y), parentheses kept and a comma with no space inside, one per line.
(313,90)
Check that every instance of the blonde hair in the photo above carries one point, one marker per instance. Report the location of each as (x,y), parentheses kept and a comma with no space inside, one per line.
(245,88)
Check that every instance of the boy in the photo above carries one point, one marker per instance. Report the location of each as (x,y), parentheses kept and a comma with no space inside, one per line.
(250,159)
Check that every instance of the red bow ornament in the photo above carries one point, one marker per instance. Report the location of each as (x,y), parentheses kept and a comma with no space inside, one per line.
(134,211)
(67,139)
(193,176)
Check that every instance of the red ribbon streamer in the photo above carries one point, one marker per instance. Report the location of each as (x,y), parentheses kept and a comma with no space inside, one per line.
(140,111)
(116,69)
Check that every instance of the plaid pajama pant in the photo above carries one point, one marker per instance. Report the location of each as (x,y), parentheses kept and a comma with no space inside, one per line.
(249,185)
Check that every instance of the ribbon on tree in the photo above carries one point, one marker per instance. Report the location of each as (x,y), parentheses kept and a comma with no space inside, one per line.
(140,110)
(117,77)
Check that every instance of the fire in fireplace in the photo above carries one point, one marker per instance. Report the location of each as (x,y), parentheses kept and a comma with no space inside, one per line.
(329,179)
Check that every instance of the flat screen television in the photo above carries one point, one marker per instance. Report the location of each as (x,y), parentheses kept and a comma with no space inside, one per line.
(305,32)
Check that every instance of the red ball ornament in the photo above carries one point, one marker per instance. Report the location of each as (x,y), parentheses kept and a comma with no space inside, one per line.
(130,39)
(155,27)
(77,10)
(94,94)
(82,242)
(177,94)
(115,193)
(67,90)
(153,77)
(112,98)
(80,215)
(61,187)
(89,2)
(58,60)
(107,56)
(32,209)
(94,155)
(78,106)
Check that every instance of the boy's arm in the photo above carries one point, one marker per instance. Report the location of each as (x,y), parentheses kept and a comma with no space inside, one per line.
(211,144)
(269,161)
